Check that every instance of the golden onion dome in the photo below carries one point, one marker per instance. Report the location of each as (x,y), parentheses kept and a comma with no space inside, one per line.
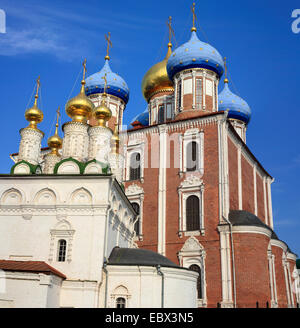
(80,107)
(156,79)
(102,113)
(34,115)
(55,142)
(115,141)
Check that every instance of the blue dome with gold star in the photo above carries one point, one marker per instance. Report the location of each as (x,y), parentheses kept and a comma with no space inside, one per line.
(236,106)
(195,53)
(116,86)
(142,118)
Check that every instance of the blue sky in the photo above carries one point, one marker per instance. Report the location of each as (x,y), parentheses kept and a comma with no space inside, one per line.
(51,39)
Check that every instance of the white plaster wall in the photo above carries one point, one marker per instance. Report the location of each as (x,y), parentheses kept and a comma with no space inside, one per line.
(74,206)
(30,290)
(144,287)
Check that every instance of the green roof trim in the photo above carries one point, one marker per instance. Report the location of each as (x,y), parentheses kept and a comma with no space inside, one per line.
(32,168)
(82,166)
(105,167)
(70,159)
(298,264)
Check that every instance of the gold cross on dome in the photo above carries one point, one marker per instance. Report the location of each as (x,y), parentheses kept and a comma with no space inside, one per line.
(84,68)
(105,82)
(38,84)
(171,31)
(58,115)
(194,17)
(109,45)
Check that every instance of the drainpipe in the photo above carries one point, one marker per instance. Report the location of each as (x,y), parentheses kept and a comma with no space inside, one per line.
(106,282)
(233,261)
(160,273)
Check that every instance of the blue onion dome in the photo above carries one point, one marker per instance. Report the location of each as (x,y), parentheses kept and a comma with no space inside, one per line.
(142,118)
(195,53)
(236,106)
(116,86)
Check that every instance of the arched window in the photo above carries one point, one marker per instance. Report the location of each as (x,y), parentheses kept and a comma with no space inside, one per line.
(196,268)
(136,207)
(161,114)
(192,156)
(62,247)
(120,303)
(135,166)
(192,213)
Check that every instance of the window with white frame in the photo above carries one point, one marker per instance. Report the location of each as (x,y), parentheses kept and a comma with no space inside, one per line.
(192,256)
(136,207)
(135,194)
(61,242)
(196,268)
(191,207)
(192,151)
(134,160)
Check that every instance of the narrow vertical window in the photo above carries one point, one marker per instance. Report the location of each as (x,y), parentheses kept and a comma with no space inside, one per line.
(216,97)
(198,93)
(192,214)
(135,166)
(161,114)
(136,207)
(196,268)
(62,247)
(192,156)
(178,95)
(120,303)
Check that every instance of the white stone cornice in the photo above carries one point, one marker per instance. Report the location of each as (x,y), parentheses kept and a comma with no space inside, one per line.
(252,229)
(279,243)
(291,256)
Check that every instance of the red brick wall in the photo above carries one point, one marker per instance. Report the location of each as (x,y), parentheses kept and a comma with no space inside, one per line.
(252,273)
(233,176)
(247,186)
(280,278)
(260,198)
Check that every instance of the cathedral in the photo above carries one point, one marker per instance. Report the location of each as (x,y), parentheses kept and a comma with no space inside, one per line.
(171,211)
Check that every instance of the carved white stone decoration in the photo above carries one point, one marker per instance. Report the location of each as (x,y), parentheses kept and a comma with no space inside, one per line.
(45,197)
(134,190)
(75,141)
(191,181)
(81,196)
(30,145)
(99,146)
(116,164)
(50,161)
(192,245)
(11,197)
